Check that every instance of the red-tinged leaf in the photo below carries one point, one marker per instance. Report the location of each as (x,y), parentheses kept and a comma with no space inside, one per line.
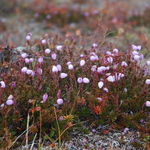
(105,131)
(32,109)
(141,129)
(20,119)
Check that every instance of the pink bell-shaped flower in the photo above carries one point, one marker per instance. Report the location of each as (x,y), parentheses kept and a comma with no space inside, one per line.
(54,69)
(59,47)
(63,75)
(79,80)
(24,55)
(53,55)
(40,60)
(43,41)
(45,97)
(9,102)
(147,81)
(24,69)
(59,101)
(82,63)
(2,84)
(147,103)
(47,51)
(100,84)
(86,80)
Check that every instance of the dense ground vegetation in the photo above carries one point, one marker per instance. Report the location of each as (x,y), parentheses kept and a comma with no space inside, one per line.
(57,82)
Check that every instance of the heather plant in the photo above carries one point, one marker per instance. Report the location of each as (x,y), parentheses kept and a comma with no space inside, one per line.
(61,84)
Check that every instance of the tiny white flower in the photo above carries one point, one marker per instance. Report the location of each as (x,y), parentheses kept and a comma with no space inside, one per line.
(106,90)
(110,59)
(100,84)
(68,63)
(24,55)
(59,101)
(29,71)
(58,67)
(24,69)
(10,97)
(9,102)
(79,80)
(26,60)
(54,69)
(59,47)
(93,68)
(92,58)
(47,51)
(148,63)
(31,60)
(82,63)
(28,38)
(123,63)
(63,75)
(108,53)
(2,105)
(135,53)
(115,51)
(111,78)
(86,80)
(2,84)
(43,41)
(101,69)
(70,67)
(95,45)
(136,57)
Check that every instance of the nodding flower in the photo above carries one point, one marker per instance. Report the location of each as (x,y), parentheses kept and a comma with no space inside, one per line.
(82,62)
(43,41)
(53,55)
(63,75)
(123,63)
(86,80)
(59,101)
(59,47)
(147,81)
(115,51)
(2,84)
(45,97)
(9,100)
(136,48)
(100,84)
(24,69)
(28,38)
(47,51)
(147,103)
(94,45)
(148,63)
(54,69)
(70,67)
(24,55)
(79,80)
(58,67)
(40,60)
(136,57)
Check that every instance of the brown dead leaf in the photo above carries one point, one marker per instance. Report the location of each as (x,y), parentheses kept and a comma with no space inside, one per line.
(105,131)
(130,133)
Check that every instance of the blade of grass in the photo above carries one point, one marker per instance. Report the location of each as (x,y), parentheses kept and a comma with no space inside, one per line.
(58,127)
(27,132)
(20,136)
(33,142)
